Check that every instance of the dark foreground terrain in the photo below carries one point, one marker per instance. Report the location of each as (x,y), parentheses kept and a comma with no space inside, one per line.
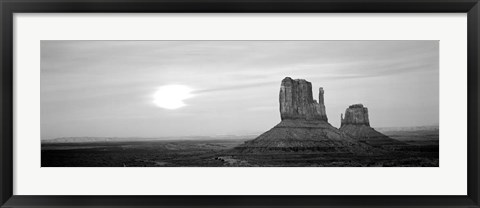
(420,149)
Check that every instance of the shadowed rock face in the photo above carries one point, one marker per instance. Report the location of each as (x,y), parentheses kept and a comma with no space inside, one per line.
(302,135)
(296,101)
(356,115)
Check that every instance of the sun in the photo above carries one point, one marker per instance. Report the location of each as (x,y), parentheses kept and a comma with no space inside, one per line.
(172,96)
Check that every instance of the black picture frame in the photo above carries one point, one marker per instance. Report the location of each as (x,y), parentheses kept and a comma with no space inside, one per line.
(9,7)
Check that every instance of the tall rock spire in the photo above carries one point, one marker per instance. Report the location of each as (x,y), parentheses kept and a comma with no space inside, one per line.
(320,96)
(296,101)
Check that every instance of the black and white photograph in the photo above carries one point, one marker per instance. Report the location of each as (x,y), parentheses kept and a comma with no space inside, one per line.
(239,103)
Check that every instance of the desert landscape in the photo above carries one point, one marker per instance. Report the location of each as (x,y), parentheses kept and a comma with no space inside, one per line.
(239,103)
(420,148)
(303,138)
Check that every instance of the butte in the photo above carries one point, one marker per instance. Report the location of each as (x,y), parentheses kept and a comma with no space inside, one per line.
(304,125)
(357,124)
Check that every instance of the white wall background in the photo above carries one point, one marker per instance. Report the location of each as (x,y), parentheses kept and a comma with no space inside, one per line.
(448,179)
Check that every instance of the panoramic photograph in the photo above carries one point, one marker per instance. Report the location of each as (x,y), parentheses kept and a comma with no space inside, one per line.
(239,103)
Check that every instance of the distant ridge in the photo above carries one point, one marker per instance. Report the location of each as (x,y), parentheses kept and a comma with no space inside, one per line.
(139,139)
(409,128)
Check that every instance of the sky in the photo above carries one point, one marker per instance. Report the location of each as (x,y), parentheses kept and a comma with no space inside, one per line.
(108,88)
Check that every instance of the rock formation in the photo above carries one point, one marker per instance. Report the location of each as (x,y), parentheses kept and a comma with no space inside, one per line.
(303,125)
(296,101)
(355,115)
(357,124)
